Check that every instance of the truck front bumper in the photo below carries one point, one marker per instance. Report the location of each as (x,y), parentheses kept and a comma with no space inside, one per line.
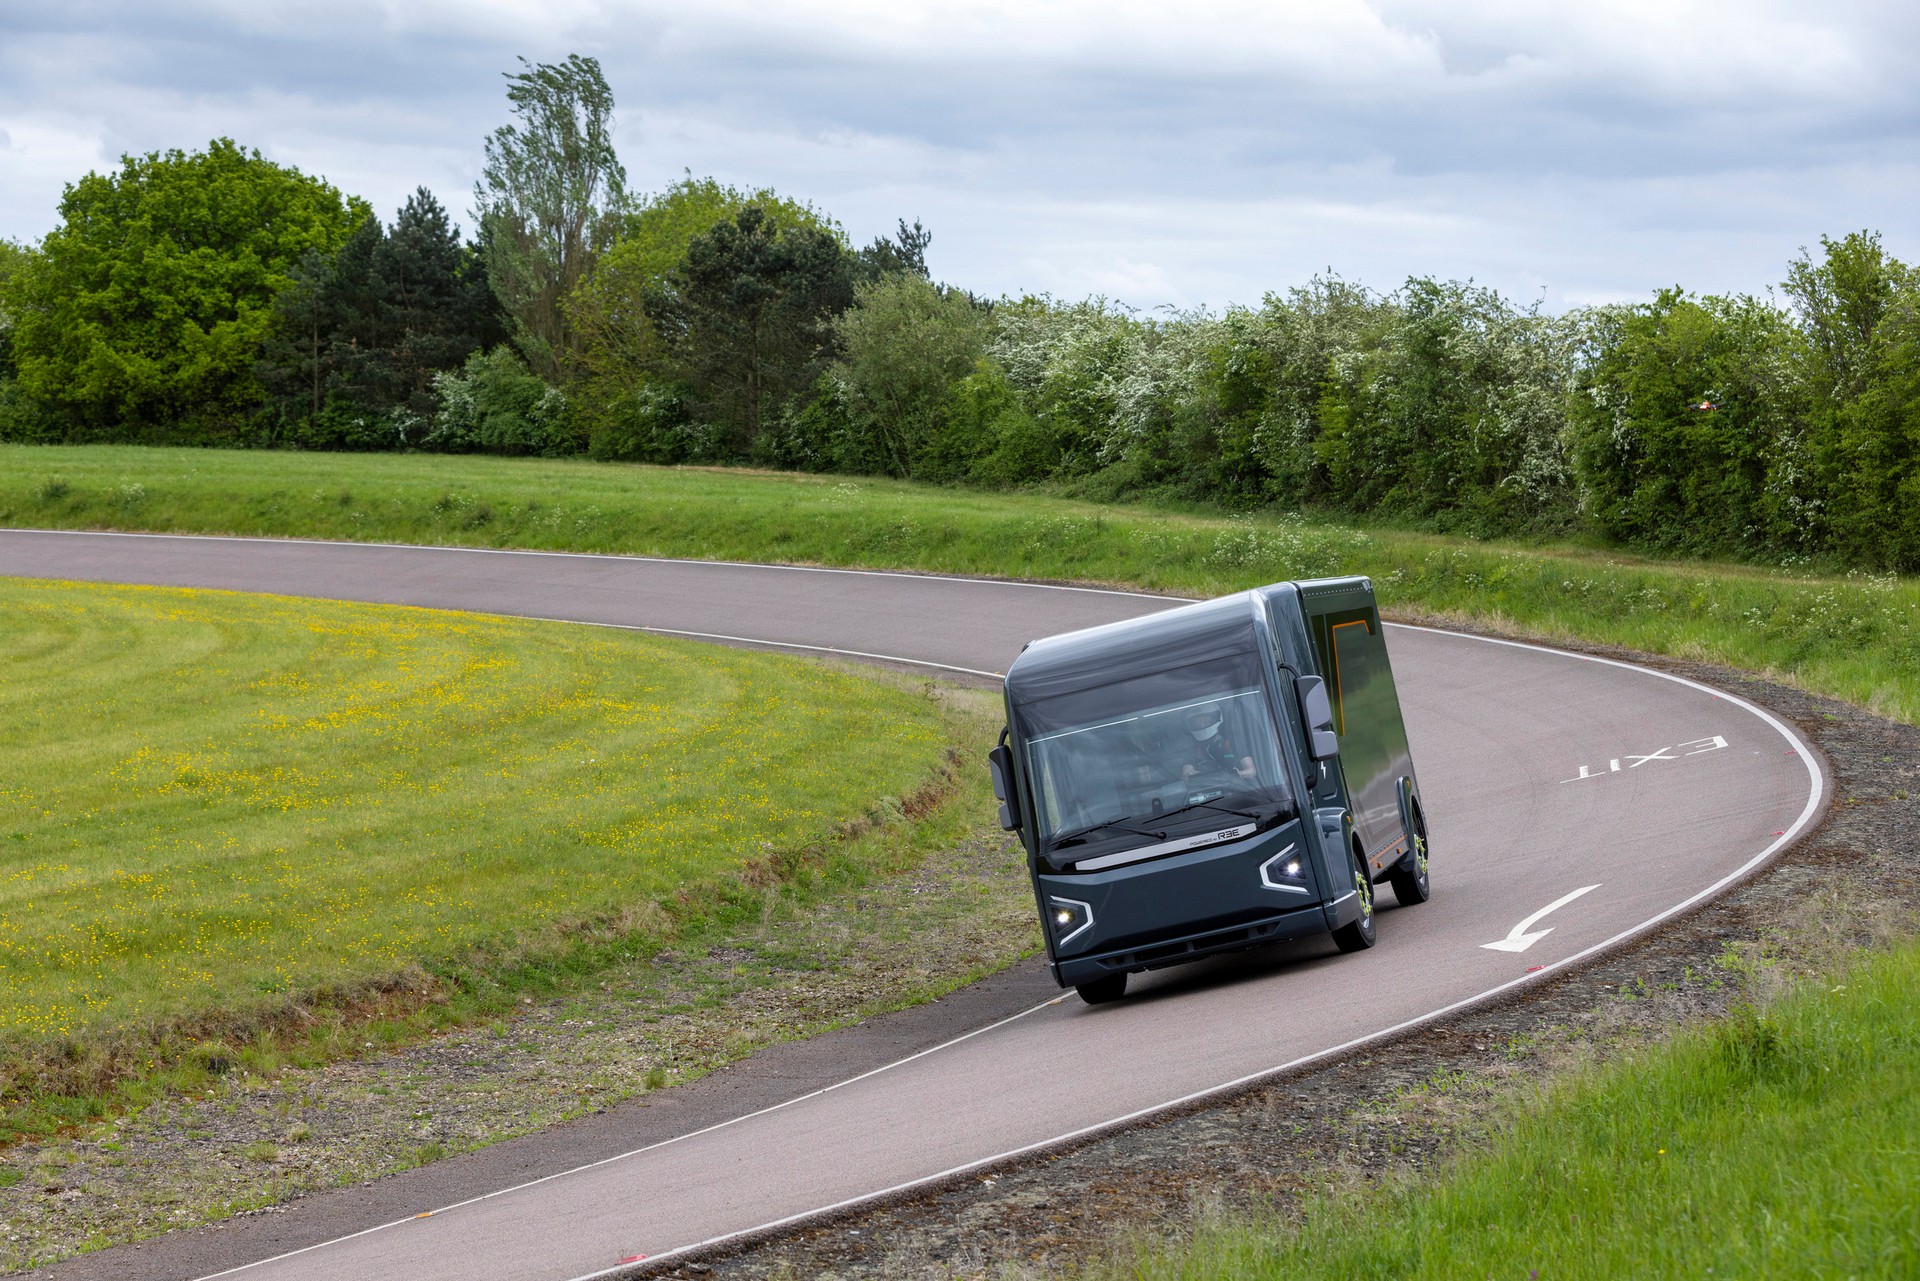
(1171,910)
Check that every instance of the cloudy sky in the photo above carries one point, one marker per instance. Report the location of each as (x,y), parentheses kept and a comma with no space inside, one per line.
(1162,154)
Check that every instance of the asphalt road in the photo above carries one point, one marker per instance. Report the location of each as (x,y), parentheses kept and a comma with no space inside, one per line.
(1620,794)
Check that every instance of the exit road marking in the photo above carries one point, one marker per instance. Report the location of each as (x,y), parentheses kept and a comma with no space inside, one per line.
(1695,747)
(1518,940)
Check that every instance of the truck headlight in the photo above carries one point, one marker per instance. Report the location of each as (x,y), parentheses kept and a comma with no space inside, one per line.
(1068,918)
(1286,872)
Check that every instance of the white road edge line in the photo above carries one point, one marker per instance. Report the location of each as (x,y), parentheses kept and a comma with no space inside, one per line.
(1807,814)
(622,1156)
(601,556)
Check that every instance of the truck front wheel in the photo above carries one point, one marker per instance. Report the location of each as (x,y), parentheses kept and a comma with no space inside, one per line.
(1358,935)
(1108,987)
(1409,875)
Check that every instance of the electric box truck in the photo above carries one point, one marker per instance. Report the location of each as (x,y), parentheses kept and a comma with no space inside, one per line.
(1214,777)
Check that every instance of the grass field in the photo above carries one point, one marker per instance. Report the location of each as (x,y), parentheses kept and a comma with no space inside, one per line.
(1776,1144)
(218,810)
(1855,637)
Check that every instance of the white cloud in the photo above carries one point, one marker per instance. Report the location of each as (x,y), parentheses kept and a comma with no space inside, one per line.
(38,156)
(1203,153)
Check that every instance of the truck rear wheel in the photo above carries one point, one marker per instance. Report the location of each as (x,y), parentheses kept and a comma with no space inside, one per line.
(1358,935)
(1409,876)
(1108,987)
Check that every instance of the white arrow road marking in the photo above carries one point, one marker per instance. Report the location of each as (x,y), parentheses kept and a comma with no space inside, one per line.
(1518,940)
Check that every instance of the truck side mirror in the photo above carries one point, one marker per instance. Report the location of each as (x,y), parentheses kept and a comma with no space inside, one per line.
(1316,711)
(1000,766)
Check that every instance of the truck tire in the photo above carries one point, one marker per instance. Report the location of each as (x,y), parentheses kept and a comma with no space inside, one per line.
(1108,987)
(1358,935)
(1409,878)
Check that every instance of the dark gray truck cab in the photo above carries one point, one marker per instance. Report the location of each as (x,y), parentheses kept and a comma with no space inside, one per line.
(1214,777)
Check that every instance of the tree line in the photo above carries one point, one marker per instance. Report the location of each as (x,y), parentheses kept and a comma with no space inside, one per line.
(218,298)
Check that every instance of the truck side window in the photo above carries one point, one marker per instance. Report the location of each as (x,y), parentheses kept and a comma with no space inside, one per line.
(1353,659)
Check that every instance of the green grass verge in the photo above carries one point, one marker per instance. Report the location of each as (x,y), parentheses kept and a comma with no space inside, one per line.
(1775,1144)
(1854,637)
(219,811)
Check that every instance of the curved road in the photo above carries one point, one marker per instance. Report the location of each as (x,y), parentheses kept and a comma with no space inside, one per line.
(1620,794)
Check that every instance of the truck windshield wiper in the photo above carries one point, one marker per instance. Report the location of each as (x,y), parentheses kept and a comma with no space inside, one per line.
(1081,833)
(1212,805)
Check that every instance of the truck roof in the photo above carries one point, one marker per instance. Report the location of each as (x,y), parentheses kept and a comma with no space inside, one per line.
(1137,646)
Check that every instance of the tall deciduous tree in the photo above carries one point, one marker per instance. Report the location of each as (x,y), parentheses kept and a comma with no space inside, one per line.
(1841,300)
(905,344)
(1680,414)
(1853,485)
(148,304)
(549,201)
(747,316)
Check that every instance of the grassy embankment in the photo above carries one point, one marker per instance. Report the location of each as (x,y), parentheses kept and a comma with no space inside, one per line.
(1771,1144)
(1854,637)
(237,830)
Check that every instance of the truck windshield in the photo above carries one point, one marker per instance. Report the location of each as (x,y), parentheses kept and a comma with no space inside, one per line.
(1157,755)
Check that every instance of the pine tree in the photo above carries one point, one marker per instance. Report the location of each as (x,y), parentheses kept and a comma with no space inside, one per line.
(362,333)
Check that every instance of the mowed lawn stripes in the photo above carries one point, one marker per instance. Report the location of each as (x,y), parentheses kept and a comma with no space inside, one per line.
(212,802)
